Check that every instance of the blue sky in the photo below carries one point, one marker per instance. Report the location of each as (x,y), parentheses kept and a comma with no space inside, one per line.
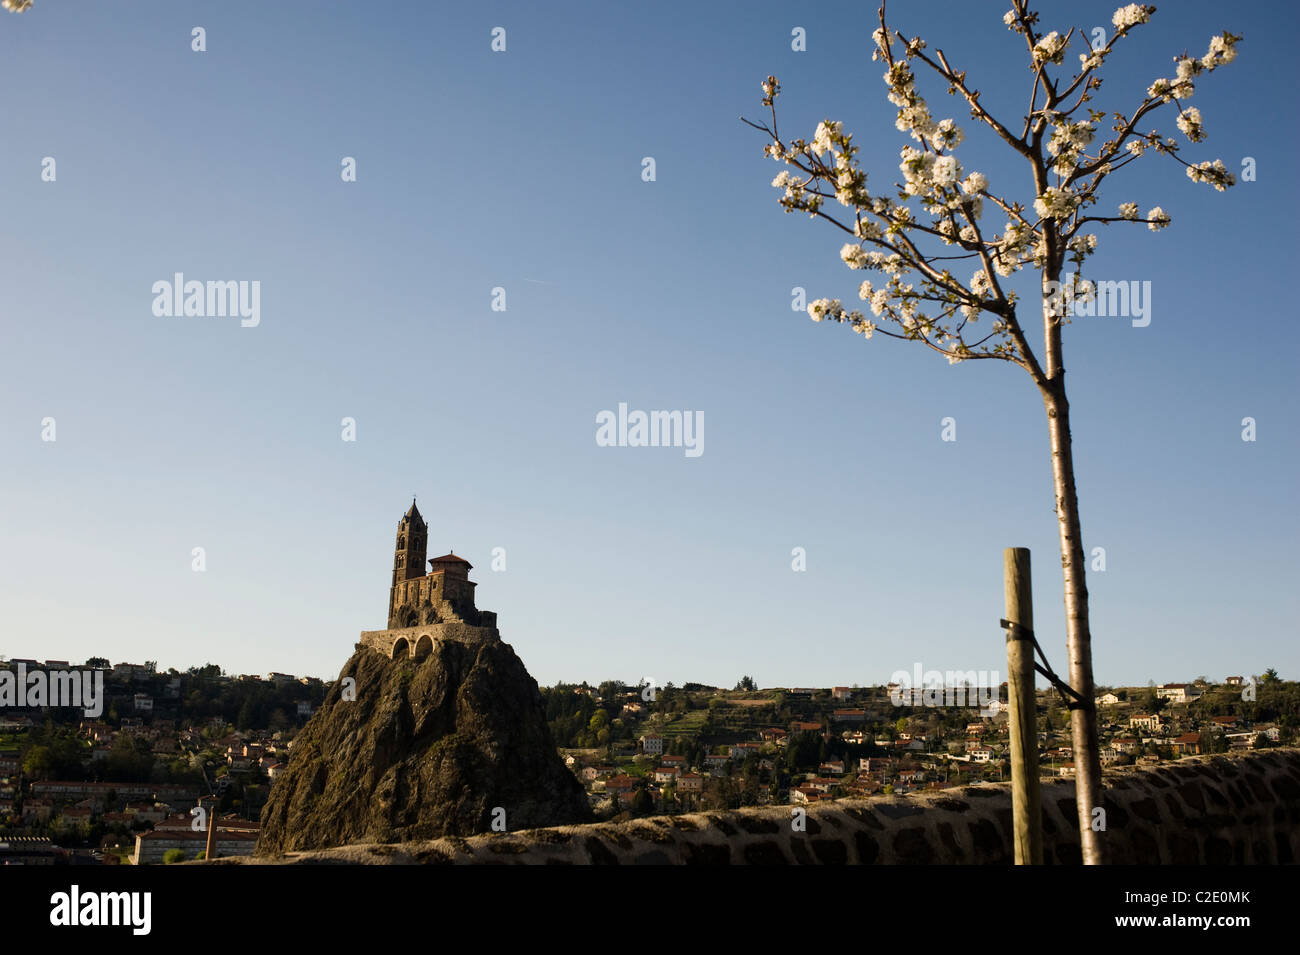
(522,170)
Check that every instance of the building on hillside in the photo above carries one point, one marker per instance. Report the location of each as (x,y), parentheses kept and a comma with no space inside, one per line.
(741,751)
(30,850)
(152,846)
(690,783)
(427,607)
(1150,722)
(1178,692)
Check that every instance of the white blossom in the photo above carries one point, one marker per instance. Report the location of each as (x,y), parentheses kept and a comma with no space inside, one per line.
(1182,87)
(901,84)
(854,256)
(1128,210)
(866,229)
(1158,219)
(1213,172)
(826,132)
(1083,244)
(1127,17)
(917,121)
(1070,138)
(1056,203)
(1223,49)
(946,170)
(947,135)
(1189,122)
(824,308)
(1050,49)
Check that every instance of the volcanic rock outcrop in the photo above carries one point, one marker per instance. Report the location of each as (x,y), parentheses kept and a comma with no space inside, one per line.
(415,749)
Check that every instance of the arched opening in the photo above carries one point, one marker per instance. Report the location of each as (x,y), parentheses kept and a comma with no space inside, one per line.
(401,648)
(423,646)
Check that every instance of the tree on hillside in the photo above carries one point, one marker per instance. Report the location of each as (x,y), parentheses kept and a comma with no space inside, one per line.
(919,233)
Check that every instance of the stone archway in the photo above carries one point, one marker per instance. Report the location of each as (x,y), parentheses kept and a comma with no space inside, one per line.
(401,648)
(423,647)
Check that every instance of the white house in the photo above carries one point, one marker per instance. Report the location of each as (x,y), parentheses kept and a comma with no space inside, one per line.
(1178,692)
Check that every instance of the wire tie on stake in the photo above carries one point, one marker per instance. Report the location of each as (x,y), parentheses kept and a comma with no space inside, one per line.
(1073,701)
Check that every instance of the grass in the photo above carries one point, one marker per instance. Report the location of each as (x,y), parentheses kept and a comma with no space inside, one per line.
(689,724)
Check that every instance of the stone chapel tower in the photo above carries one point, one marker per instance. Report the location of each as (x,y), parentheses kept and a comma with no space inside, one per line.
(425,607)
(408,558)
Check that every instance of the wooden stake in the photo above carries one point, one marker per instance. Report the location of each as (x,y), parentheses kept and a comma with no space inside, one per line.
(212,834)
(1026,798)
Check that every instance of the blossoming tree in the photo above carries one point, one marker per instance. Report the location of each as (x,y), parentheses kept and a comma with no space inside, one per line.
(917,234)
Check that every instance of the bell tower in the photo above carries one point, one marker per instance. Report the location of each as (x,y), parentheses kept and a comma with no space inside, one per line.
(408,556)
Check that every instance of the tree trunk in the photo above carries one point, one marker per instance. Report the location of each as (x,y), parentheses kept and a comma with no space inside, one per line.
(1083,718)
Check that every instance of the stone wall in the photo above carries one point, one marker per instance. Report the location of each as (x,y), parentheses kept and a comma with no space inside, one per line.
(384,640)
(1231,809)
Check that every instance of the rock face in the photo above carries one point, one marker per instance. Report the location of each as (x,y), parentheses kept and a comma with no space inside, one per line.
(428,748)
